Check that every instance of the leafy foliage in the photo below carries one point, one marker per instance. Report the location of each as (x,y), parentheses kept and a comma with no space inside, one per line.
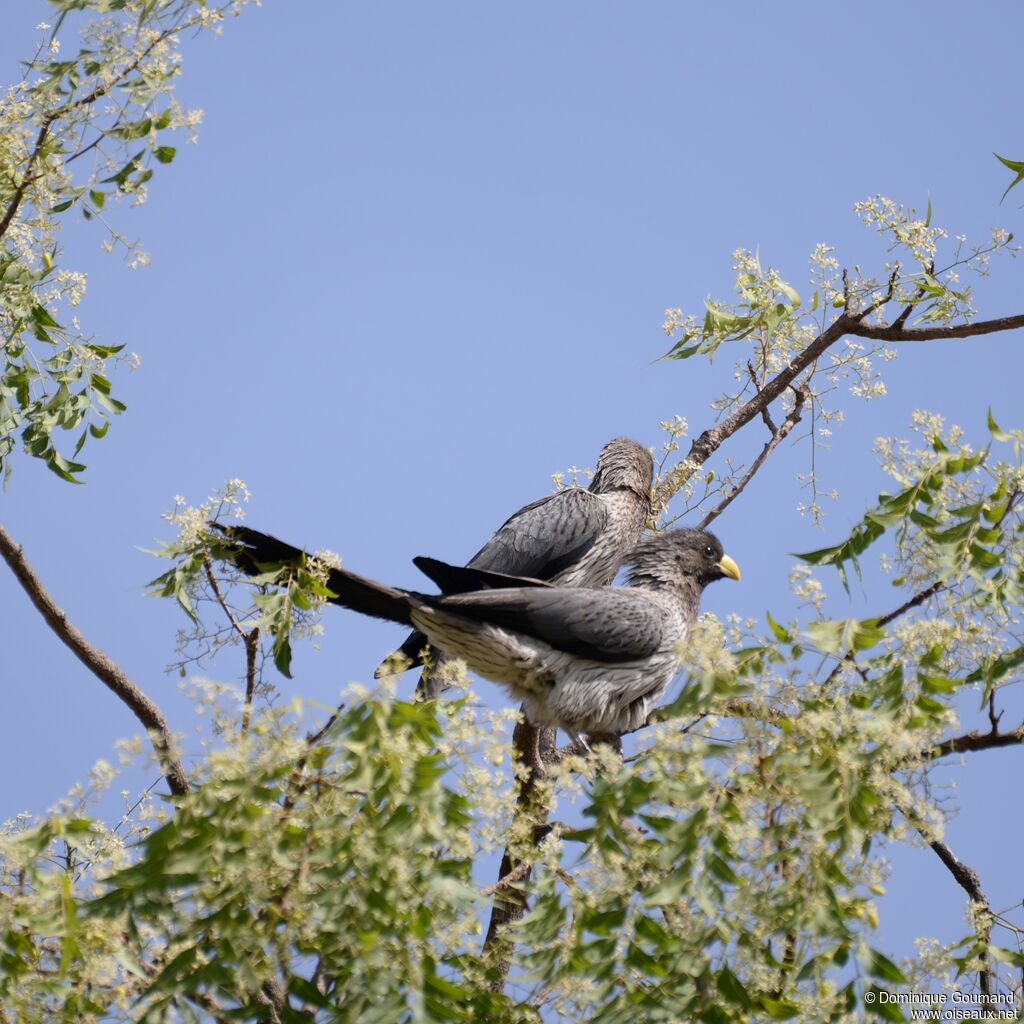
(349,848)
(726,870)
(113,104)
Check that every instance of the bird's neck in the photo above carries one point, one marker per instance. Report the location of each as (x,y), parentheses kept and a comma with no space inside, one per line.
(684,591)
(609,485)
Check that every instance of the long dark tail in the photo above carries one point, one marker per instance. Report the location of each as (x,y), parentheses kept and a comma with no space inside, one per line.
(256,553)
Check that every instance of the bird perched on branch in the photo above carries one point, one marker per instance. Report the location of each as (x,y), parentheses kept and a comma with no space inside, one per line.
(574,538)
(590,660)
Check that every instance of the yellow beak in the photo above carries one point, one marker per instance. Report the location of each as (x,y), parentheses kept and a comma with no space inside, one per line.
(729,568)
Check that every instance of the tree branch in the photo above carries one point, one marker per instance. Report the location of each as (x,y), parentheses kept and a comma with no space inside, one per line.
(918,599)
(704,446)
(534,746)
(19,193)
(250,638)
(967,879)
(897,332)
(54,115)
(778,436)
(101,666)
(969,742)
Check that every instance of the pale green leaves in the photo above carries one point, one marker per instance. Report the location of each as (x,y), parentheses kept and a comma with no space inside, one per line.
(918,505)
(768,303)
(112,100)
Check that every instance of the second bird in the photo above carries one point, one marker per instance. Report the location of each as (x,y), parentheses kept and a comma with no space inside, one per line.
(573,538)
(589,659)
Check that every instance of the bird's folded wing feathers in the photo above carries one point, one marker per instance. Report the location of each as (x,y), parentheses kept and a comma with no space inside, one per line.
(601,624)
(546,536)
(459,579)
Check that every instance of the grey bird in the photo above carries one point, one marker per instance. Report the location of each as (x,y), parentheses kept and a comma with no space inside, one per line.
(589,660)
(574,538)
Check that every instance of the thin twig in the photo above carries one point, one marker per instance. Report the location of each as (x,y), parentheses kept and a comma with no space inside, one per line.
(103,667)
(765,412)
(918,599)
(250,638)
(295,781)
(779,434)
(54,115)
(704,446)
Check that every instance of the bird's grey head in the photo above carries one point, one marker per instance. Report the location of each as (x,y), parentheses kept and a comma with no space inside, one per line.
(624,464)
(680,558)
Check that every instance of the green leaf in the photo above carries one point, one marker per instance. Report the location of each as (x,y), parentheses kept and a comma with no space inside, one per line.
(283,656)
(778,1009)
(878,1005)
(165,154)
(1017,166)
(880,966)
(42,318)
(732,989)
(790,292)
(1013,957)
(781,633)
(993,428)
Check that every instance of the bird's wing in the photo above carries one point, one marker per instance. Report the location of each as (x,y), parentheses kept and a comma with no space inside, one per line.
(546,536)
(609,625)
(457,579)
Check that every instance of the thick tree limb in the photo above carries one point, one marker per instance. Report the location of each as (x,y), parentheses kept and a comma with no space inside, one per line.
(897,332)
(972,741)
(101,666)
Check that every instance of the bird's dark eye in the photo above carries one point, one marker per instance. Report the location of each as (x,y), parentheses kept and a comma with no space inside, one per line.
(709,550)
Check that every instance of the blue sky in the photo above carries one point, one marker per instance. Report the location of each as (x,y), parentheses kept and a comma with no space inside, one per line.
(418,261)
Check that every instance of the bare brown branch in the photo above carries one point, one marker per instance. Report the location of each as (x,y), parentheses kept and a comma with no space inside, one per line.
(704,446)
(19,193)
(251,639)
(897,332)
(918,599)
(779,434)
(969,742)
(103,667)
(968,880)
